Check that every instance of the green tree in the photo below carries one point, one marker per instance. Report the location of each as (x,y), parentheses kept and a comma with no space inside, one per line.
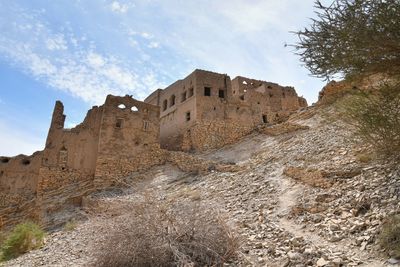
(352,37)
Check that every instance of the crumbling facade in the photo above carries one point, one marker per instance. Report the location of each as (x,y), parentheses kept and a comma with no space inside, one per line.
(114,140)
(208,110)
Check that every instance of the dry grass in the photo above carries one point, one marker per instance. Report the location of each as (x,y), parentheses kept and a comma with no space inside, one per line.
(313,178)
(156,234)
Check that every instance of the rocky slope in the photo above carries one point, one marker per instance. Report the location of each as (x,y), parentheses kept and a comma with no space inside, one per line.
(304,194)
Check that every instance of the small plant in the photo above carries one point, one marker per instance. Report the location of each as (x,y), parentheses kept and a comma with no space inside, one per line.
(364,157)
(23,238)
(389,237)
(70,226)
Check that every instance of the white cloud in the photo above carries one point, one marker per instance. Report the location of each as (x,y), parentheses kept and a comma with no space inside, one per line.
(118,7)
(56,42)
(154,45)
(95,60)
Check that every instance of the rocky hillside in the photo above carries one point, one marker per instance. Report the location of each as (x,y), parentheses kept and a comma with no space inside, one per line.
(303,193)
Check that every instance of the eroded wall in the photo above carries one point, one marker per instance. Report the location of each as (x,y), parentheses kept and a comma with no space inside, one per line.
(220,110)
(114,139)
(129,139)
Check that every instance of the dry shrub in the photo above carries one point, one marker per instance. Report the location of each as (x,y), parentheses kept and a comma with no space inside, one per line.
(155,234)
(315,178)
(389,237)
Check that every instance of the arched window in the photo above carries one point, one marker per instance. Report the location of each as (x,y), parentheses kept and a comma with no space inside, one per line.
(134,109)
(121,106)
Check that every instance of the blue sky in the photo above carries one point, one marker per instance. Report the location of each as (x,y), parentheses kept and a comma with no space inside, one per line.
(78,51)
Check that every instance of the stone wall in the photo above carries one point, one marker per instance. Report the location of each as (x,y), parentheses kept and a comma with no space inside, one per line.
(59,193)
(213,134)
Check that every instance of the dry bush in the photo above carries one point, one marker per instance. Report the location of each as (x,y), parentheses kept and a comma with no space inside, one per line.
(375,115)
(389,237)
(155,234)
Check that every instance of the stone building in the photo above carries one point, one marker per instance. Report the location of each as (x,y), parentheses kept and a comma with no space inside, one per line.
(208,110)
(114,140)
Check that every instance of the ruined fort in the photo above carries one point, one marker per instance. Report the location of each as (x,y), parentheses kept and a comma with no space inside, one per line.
(205,110)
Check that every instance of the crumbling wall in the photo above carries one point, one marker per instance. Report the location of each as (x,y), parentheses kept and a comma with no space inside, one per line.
(129,139)
(18,178)
(115,139)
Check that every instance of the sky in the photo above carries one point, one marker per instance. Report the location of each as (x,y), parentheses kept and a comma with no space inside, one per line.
(78,51)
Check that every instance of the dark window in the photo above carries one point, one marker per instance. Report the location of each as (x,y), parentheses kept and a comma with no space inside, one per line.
(26,162)
(172,100)
(119,122)
(269,86)
(188,116)
(190,94)
(145,125)
(5,160)
(221,93)
(265,119)
(242,97)
(207,91)
(183,97)
(165,104)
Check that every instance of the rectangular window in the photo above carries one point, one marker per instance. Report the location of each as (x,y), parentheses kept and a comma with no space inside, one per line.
(207,91)
(221,94)
(146,125)
(119,123)
(265,119)
(188,116)
(183,97)
(190,93)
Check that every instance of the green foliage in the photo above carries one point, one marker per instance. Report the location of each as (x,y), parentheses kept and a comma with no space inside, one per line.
(23,238)
(375,114)
(352,37)
(389,237)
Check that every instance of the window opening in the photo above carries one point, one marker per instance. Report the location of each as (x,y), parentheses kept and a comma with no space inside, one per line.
(183,97)
(190,92)
(165,104)
(207,91)
(221,93)
(146,125)
(172,100)
(119,122)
